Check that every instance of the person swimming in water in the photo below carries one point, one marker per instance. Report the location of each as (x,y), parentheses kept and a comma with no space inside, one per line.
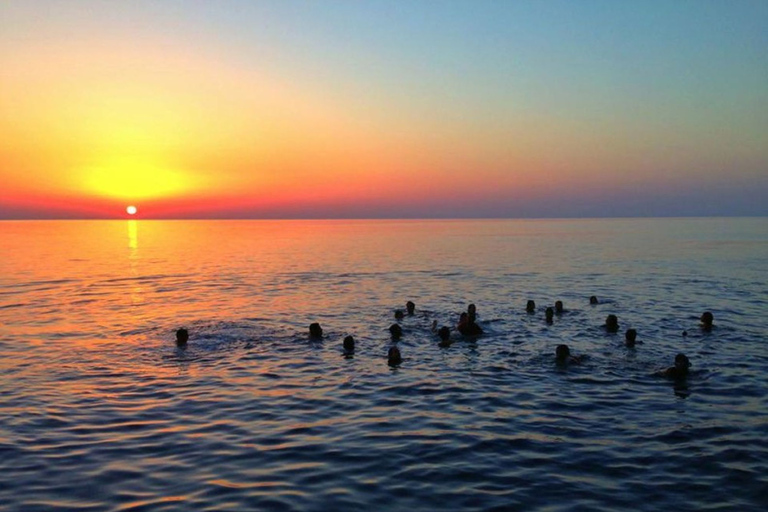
(612,324)
(410,308)
(349,345)
(396,331)
(463,323)
(472,313)
(399,315)
(593,300)
(467,326)
(563,355)
(549,315)
(182,336)
(559,307)
(315,331)
(445,336)
(530,307)
(680,370)
(629,338)
(706,321)
(394,357)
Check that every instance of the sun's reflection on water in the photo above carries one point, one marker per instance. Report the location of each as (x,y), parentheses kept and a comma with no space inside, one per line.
(133,236)
(133,255)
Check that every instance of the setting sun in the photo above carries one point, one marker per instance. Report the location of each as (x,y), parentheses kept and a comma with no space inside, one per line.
(131,210)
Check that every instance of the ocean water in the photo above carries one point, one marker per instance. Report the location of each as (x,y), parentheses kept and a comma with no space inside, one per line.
(99,410)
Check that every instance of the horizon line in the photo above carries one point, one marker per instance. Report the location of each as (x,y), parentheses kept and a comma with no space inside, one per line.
(11,219)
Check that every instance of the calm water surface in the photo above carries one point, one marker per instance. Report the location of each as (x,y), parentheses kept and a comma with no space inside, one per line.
(100,410)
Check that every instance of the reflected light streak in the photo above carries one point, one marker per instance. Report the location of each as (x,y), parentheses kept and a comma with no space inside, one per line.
(133,236)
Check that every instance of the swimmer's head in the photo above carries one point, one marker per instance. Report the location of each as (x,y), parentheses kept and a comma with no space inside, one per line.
(559,307)
(682,362)
(394,357)
(612,323)
(630,337)
(549,313)
(182,335)
(593,300)
(349,344)
(706,319)
(410,307)
(472,309)
(562,353)
(315,331)
(396,331)
(444,333)
(399,314)
(530,306)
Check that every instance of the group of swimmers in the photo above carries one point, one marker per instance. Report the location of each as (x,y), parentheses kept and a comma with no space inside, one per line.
(468,327)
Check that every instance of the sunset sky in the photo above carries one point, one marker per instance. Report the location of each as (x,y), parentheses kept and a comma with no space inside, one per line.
(342,108)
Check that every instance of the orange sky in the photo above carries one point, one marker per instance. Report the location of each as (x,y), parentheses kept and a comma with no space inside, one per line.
(189,114)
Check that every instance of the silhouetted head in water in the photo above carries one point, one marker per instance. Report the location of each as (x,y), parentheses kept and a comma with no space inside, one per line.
(593,300)
(315,331)
(410,307)
(612,323)
(706,320)
(182,336)
(530,307)
(562,353)
(558,307)
(396,331)
(349,344)
(445,334)
(463,325)
(680,370)
(549,314)
(682,362)
(472,312)
(399,314)
(629,337)
(393,356)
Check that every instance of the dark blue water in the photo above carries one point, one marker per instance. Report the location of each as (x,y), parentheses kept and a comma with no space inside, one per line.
(101,411)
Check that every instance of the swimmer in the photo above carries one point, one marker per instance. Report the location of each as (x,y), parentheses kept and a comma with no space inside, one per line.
(530,307)
(473,329)
(680,370)
(393,356)
(410,307)
(706,321)
(396,331)
(563,355)
(559,307)
(182,335)
(549,315)
(468,327)
(463,325)
(399,314)
(472,312)
(612,324)
(445,336)
(593,300)
(349,345)
(315,331)
(629,338)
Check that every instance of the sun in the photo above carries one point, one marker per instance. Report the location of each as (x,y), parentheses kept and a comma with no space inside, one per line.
(131,210)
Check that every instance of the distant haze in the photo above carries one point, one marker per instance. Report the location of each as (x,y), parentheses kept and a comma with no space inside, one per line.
(367,109)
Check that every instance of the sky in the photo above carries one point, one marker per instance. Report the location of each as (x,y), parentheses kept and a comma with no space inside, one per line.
(383,109)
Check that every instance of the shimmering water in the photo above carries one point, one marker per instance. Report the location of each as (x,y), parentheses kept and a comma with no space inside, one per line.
(100,410)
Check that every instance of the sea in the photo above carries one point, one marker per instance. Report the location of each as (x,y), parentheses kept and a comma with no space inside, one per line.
(100,410)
